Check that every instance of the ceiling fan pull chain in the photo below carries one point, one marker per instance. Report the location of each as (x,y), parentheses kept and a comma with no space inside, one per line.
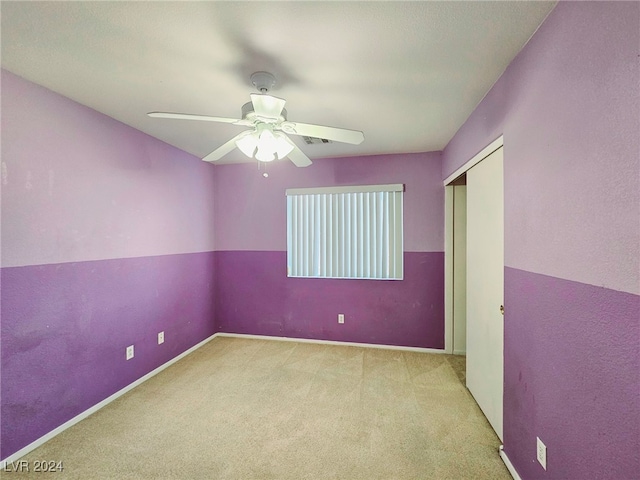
(263,165)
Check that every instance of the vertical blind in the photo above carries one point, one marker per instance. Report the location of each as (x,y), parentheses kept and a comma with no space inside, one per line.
(345,232)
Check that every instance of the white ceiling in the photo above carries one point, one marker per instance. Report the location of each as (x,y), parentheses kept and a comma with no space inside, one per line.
(407,74)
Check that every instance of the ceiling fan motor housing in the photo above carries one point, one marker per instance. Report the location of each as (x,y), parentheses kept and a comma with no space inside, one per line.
(248,113)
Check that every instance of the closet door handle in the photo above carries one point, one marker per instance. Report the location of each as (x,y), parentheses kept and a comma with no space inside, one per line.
(502,309)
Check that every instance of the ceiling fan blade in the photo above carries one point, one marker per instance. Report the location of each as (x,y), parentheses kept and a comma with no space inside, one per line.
(222,150)
(267,106)
(298,158)
(203,118)
(343,135)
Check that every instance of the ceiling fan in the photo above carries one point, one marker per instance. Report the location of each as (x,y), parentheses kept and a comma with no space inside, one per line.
(267,139)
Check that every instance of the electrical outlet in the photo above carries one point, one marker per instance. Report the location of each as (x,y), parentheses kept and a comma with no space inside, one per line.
(160,338)
(341,318)
(541,453)
(129,352)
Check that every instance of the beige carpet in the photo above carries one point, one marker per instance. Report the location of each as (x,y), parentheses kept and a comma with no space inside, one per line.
(261,409)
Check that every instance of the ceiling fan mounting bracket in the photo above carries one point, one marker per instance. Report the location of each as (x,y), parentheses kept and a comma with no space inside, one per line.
(263,81)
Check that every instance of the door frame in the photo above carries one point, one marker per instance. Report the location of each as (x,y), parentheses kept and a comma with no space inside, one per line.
(448,237)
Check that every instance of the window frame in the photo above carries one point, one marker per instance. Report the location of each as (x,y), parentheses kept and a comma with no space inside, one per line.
(376,222)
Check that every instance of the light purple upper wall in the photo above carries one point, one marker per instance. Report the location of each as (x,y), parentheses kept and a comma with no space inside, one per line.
(90,187)
(250,210)
(569,109)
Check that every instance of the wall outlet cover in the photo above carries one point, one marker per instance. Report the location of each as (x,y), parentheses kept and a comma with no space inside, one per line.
(541,453)
(129,352)
(160,338)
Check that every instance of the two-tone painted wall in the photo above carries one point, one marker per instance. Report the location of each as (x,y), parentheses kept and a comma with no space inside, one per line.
(254,294)
(107,239)
(569,109)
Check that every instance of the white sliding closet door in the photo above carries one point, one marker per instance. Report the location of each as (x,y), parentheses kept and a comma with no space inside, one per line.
(485,286)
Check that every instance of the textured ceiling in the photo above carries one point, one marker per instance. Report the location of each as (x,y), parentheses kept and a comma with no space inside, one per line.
(407,74)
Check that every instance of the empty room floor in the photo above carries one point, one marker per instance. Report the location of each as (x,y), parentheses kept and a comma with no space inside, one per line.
(242,408)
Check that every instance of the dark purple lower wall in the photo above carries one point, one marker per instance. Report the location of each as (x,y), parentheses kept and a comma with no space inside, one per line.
(572,378)
(255,296)
(65,329)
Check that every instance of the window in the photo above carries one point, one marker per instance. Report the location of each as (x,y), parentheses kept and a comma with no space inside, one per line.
(345,232)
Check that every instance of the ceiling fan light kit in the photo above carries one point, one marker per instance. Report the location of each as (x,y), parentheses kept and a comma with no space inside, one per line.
(268,139)
(247,143)
(268,143)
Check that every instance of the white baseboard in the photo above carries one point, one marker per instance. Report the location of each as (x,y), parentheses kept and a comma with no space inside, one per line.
(459,352)
(58,430)
(509,465)
(332,342)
